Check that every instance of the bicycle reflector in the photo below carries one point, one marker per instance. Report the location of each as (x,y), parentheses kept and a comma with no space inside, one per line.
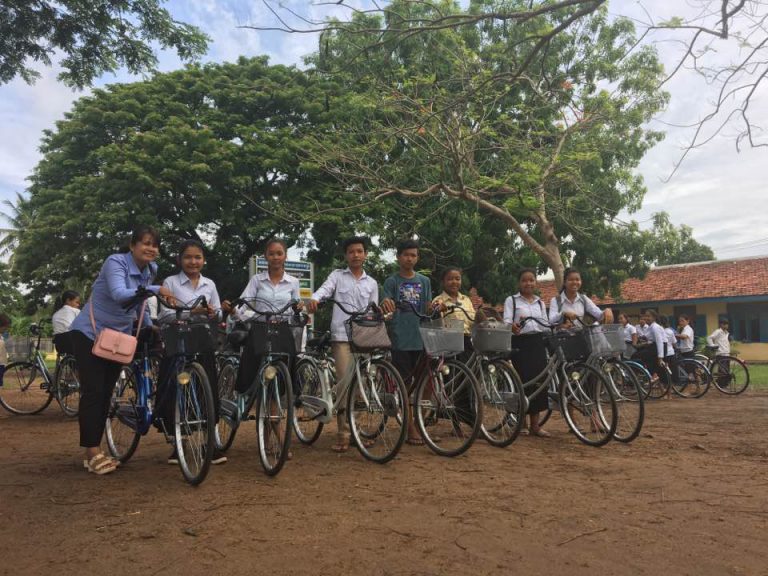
(445,369)
(270,372)
(183,378)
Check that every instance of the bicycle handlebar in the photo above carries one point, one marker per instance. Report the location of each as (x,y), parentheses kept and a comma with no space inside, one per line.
(248,303)
(404,305)
(372,307)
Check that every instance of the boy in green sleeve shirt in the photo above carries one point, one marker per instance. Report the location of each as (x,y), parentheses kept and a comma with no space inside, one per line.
(407,285)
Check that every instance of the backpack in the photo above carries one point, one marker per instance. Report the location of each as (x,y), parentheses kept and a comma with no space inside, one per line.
(514,308)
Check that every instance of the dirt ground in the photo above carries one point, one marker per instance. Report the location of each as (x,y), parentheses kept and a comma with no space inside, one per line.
(689,497)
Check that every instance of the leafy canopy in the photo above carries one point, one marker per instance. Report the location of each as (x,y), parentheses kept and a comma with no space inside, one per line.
(95,36)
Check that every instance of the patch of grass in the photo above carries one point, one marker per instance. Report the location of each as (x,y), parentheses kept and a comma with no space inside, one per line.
(758,376)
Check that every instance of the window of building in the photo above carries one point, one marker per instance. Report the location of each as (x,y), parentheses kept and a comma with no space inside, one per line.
(749,322)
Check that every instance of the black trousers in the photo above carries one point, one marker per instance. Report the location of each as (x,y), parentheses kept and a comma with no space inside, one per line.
(63,343)
(529,360)
(166,388)
(97,381)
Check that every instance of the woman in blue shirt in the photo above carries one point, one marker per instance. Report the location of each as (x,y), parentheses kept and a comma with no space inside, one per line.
(120,276)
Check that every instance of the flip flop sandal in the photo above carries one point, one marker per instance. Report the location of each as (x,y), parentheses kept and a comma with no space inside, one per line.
(100,464)
(414,441)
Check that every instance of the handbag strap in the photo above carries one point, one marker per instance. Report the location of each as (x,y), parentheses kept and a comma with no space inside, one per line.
(138,328)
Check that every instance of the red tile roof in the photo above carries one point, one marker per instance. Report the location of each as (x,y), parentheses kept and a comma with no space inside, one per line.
(713,279)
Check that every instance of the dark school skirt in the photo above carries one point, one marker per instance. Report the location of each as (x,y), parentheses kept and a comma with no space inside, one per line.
(529,360)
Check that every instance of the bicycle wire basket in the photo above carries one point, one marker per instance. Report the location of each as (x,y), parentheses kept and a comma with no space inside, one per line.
(443,336)
(190,338)
(606,339)
(286,336)
(573,343)
(491,336)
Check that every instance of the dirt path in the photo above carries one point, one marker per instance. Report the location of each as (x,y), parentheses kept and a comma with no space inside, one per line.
(689,497)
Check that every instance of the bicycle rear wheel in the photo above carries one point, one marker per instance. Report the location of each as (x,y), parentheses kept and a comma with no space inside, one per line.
(195,422)
(449,408)
(305,423)
(730,375)
(226,428)
(503,402)
(377,409)
(24,391)
(68,385)
(122,429)
(274,416)
(588,405)
(692,380)
(630,400)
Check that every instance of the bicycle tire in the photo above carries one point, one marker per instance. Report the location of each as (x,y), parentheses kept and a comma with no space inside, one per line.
(438,419)
(503,404)
(377,412)
(226,427)
(630,401)
(67,386)
(693,378)
(195,425)
(121,429)
(730,382)
(586,392)
(274,404)
(23,391)
(306,426)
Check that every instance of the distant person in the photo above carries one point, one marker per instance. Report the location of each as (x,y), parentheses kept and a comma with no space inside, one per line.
(630,332)
(62,321)
(685,336)
(5,324)
(720,338)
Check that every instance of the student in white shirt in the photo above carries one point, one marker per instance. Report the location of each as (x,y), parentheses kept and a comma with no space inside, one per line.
(719,338)
(531,356)
(187,286)
(269,290)
(569,304)
(642,329)
(356,291)
(630,332)
(62,321)
(685,336)
(654,354)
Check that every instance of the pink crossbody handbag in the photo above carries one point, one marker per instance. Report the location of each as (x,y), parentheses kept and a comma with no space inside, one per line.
(113,345)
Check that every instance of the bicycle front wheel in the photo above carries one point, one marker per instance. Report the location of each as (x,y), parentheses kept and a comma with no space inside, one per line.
(308,385)
(730,375)
(24,391)
(195,422)
(630,400)
(588,405)
(692,380)
(449,408)
(68,385)
(274,416)
(503,402)
(226,428)
(122,429)
(377,408)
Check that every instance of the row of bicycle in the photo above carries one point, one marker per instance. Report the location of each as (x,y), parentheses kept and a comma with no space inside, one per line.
(457,395)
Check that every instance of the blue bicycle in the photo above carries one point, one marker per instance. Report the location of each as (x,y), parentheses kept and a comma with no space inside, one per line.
(136,407)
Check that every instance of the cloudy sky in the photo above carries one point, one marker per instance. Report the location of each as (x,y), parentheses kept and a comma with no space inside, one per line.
(717,190)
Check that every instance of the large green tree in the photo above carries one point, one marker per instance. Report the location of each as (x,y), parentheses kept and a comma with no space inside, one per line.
(95,36)
(447,114)
(209,152)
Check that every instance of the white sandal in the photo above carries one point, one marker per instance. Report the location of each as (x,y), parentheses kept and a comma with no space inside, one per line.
(100,464)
